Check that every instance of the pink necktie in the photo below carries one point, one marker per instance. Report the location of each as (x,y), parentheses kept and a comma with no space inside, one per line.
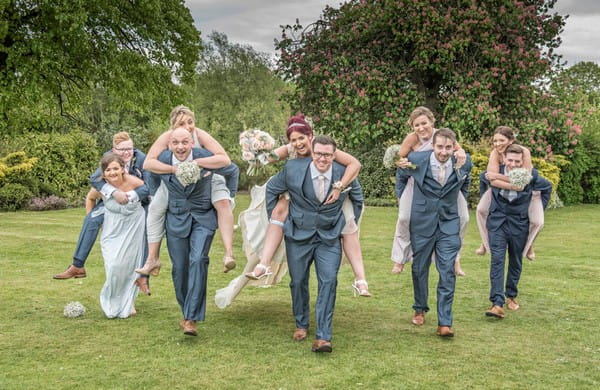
(442,175)
(321,189)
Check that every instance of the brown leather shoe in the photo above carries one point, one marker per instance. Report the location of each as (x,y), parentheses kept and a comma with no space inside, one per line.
(189,327)
(321,346)
(418,318)
(444,331)
(71,272)
(512,304)
(300,334)
(495,311)
(142,283)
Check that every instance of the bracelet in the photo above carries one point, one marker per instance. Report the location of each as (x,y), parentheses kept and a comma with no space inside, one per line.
(338,185)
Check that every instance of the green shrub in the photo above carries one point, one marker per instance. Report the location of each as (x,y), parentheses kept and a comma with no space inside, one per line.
(14,196)
(64,162)
(376,180)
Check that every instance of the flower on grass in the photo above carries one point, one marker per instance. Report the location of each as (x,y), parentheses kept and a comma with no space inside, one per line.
(74,309)
(188,173)
(519,177)
(257,149)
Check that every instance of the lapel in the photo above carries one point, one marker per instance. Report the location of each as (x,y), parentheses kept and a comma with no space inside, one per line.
(309,192)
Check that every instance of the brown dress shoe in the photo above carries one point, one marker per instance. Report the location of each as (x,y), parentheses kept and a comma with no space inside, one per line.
(444,331)
(189,328)
(321,346)
(71,272)
(495,311)
(300,334)
(512,304)
(142,283)
(418,318)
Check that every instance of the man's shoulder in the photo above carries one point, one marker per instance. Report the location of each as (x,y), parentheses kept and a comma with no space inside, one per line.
(298,162)
(419,156)
(200,152)
(165,156)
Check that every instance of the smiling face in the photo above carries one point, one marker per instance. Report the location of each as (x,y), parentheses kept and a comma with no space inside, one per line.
(181,143)
(185,121)
(114,172)
(443,148)
(513,160)
(124,150)
(301,143)
(423,126)
(323,156)
(501,142)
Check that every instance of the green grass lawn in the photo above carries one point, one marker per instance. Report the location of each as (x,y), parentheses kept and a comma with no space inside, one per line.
(553,341)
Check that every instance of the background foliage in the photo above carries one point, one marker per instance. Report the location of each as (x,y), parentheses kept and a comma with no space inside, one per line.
(360,69)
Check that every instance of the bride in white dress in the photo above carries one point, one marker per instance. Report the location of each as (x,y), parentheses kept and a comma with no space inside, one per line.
(122,240)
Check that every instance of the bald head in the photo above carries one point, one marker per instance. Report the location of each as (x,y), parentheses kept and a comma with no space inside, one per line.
(181,143)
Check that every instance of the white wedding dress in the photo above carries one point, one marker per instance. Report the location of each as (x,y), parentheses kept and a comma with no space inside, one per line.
(122,244)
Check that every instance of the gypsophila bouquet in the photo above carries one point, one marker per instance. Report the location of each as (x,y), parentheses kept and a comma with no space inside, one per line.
(390,157)
(74,309)
(257,149)
(188,173)
(519,177)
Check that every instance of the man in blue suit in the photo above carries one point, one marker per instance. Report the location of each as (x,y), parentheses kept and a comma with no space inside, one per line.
(508,227)
(434,223)
(313,233)
(134,160)
(191,222)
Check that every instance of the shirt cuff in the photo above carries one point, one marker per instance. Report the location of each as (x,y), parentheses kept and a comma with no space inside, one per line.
(107,190)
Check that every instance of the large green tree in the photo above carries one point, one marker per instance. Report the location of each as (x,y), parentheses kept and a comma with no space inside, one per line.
(362,68)
(56,54)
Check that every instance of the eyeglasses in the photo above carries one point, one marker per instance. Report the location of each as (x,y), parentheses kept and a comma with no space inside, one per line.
(324,155)
(123,150)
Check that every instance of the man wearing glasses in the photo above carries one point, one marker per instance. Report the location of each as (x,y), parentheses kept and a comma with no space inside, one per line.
(134,161)
(312,233)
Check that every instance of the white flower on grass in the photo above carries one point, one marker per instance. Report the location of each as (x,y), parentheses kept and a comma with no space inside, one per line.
(519,177)
(188,173)
(74,309)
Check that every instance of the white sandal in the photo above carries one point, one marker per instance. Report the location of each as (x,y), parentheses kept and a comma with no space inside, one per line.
(363,292)
(252,275)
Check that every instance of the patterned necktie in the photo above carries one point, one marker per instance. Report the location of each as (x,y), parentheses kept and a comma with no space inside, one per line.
(442,175)
(321,188)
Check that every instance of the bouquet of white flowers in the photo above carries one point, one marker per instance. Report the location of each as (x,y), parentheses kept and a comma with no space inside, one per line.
(391,157)
(519,177)
(188,173)
(257,148)
(74,309)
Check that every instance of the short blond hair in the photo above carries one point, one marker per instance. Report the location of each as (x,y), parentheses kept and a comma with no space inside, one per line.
(120,137)
(417,112)
(178,112)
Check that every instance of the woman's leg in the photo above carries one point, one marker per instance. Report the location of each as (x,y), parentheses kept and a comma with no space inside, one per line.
(401,248)
(463,214)
(351,247)
(273,237)
(223,204)
(483,209)
(536,223)
(155,229)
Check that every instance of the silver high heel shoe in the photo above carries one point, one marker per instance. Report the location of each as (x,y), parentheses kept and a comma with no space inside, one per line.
(152,267)
(361,287)
(252,275)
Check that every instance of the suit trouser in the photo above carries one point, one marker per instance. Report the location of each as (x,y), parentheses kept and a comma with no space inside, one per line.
(327,259)
(92,223)
(189,257)
(446,247)
(499,241)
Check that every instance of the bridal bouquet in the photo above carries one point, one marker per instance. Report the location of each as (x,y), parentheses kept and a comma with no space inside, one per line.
(257,148)
(74,309)
(391,157)
(519,177)
(188,173)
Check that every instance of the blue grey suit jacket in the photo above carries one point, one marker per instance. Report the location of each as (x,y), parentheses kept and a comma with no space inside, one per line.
(515,213)
(192,202)
(308,217)
(433,205)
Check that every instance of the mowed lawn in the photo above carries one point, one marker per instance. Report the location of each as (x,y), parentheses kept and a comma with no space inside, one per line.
(553,341)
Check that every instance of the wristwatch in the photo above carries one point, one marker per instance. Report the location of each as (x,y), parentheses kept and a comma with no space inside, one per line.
(338,185)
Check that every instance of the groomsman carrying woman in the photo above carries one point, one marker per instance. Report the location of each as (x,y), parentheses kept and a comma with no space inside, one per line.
(504,137)
(421,120)
(221,191)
